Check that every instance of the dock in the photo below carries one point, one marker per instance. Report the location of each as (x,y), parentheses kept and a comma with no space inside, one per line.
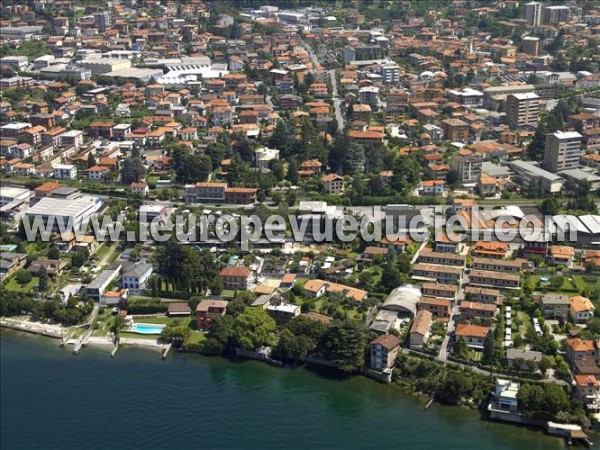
(166,351)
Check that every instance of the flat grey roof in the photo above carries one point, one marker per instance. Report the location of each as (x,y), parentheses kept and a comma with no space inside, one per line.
(535,170)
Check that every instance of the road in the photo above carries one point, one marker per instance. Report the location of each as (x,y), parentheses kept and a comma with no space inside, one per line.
(337,102)
(443,353)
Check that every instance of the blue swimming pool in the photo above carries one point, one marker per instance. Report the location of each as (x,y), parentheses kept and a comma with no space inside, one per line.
(147,328)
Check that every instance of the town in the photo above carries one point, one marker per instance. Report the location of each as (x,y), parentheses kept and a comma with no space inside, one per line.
(488,112)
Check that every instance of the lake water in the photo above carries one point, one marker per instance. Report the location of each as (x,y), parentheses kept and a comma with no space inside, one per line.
(52,399)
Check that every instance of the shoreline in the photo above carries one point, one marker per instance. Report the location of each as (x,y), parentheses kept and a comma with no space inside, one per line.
(98,341)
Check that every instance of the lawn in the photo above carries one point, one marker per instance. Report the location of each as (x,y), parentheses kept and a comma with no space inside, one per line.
(102,251)
(586,281)
(196,337)
(567,285)
(14,286)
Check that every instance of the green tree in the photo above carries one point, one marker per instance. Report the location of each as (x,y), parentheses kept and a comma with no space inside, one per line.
(22,276)
(253,328)
(133,170)
(43,279)
(454,388)
(345,344)
(53,252)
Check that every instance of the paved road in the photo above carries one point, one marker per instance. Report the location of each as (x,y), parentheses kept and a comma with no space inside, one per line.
(337,102)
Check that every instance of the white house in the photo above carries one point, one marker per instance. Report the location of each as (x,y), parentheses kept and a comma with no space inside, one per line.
(136,277)
(65,171)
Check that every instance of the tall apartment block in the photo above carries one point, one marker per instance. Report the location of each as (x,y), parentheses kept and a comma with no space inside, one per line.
(563,150)
(522,110)
(533,14)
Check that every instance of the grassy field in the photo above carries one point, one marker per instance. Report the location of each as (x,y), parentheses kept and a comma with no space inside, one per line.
(14,286)
(196,337)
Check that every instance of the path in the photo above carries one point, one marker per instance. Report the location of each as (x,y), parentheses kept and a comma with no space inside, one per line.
(106,258)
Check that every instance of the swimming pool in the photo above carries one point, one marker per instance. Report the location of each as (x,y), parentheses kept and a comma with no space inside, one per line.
(147,328)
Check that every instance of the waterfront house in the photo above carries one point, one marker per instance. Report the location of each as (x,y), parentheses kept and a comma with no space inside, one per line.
(587,391)
(207,310)
(135,278)
(384,350)
(505,395)
(419,331)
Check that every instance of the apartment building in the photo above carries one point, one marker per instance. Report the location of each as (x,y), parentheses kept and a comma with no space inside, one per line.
(456,130)
(240,196)
(522,110)
(533,13)
(562,151)
(236,277)
(383,351)
(435,272)
(554,306)
(65,171)
(205,192)
(420,329)
(496,279)
(448,259)
(439,307)
(135,278)
(476,309)
(482,295)
(502,265)
(467,165)
(439,290)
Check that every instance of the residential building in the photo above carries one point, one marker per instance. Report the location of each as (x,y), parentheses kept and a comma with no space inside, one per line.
(522,110)
(236,278)
(533,13)
(205,192)
(438,306)
(561,255)
(535,180)
(333,184)
(432,187)
(554,306)
(578,349)
(554,14)
(499,280)
(99,285)
(467,165)
(439,290)
(179,309)
(456,130)
(240,196)
(502,265)
(587,391)
(475,309)
(135,278)
(439,273)
(505,395)
(474,335)
(448,259)
(524,359)
(207,310)
(419,331)
(531,45)
(562,151)
(282,312)
(384,350)
(65,171)
(581,309)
